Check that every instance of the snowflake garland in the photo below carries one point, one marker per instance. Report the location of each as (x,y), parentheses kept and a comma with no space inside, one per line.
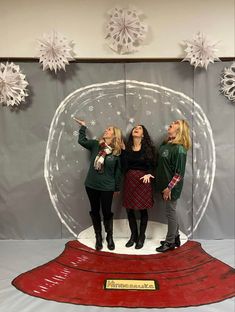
(200,52)
(12,85)
(124,30)
(228,82)
(55,51)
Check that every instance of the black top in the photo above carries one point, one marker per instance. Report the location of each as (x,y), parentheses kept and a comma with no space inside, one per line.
(136,160)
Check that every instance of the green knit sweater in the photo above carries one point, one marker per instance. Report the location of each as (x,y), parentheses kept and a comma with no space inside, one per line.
(171,160)
(110,178)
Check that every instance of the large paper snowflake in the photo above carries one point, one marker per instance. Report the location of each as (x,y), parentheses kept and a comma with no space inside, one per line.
(228,82)
(55,51)
(200,52)
(12,85)
(124,30)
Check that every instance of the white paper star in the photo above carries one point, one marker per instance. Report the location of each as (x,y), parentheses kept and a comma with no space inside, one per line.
(228,82)
(55,51)
(200,52)
(125,31)
(12,85)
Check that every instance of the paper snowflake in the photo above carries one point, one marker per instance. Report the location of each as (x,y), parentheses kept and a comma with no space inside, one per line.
(200,52)
(228,82)
(12,85)
(124,30)
(55,51)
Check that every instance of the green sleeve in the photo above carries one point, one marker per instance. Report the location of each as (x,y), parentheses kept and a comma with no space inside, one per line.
(82,140)
(118,175)
(180,163)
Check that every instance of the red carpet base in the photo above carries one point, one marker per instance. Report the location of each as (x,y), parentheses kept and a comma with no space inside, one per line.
(187,276)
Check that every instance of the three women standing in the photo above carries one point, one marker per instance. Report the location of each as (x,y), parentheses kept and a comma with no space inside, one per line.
(138,164)
(103,178)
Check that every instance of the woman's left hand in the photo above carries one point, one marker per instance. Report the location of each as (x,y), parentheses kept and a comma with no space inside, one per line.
(166,194)
(146,178)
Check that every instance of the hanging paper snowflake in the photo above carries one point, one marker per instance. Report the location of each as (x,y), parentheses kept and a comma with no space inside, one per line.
(200,52)
(228,82)
(12,85)
(55,51)
(125,31)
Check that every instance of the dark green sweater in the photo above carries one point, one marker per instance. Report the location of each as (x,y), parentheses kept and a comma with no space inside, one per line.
(110,178)
(171,160)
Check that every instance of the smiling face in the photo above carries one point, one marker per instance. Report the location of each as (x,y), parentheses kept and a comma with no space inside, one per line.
(137,132)
(108,133)
(173,128)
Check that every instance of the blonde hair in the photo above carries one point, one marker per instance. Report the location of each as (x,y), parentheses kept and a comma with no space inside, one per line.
(183,135)
(117,141)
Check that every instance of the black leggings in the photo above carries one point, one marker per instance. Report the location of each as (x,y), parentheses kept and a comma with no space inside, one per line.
(100,198)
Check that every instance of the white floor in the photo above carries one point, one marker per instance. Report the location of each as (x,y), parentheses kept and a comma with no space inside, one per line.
(154,234)
(19,256)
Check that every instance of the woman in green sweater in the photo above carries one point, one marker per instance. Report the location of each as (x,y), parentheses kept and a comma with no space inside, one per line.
(170,177)
(103,178)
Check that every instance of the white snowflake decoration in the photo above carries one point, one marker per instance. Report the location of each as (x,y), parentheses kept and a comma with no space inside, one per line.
(200,52)
(124,30)
(12,85)
(228,82)
(55,51)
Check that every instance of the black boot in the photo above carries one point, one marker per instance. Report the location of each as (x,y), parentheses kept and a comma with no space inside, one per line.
(133,227)
(96,221)
(177,241)
(165,247)
(143,226)
(108,225)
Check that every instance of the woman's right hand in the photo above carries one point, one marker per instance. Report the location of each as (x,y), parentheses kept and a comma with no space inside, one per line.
(81,122)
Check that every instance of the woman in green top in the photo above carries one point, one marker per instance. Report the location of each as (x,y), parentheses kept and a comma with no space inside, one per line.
(103,178)
(169,177)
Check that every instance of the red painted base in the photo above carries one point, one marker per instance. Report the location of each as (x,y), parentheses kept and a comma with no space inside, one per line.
(186,276)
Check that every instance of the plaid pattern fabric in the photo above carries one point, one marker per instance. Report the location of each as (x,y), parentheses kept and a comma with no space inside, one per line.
(137,195)
(99,160)
(174,181)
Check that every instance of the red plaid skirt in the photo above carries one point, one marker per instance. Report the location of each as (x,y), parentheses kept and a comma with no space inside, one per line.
(136,194)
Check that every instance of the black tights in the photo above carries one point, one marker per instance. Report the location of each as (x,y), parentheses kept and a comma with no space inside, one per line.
(100,198)
(143,214)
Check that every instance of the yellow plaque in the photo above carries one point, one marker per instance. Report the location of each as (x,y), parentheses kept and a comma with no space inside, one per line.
(130,284)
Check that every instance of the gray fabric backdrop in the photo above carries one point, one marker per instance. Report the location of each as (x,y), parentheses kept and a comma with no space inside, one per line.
(43,168)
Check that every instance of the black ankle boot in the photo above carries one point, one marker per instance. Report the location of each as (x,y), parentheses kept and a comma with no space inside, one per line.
(133,239)
(165,247)
(177,241)
(140,242)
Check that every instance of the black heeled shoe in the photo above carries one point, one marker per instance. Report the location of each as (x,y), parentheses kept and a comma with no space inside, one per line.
(165,247)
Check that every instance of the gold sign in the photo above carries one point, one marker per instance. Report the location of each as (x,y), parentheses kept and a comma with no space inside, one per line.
(130,284)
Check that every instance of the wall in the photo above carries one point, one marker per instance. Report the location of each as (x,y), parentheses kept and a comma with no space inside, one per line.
(170,22)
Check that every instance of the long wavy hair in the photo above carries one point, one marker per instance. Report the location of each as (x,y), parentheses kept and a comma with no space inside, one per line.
(146,144)
(183,135)
(117,141)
